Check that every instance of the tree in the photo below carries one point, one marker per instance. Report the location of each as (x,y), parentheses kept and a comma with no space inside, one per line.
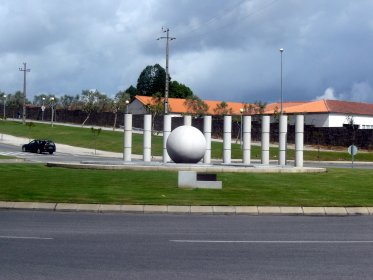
(15,103)
(179,90)
(151,80)
(156,107)
(120,101)
(92,101)
(132,91)
(69,101)
(222,109)
(196,106)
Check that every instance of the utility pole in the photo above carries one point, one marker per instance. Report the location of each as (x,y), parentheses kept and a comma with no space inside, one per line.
(168,38)
(24,70)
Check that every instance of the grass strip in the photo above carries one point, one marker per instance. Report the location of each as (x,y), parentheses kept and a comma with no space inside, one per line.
(36,182)
(113,141)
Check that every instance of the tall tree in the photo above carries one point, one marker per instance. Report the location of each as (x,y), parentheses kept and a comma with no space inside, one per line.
(151,80)
(179,90)
(132,91)
(69,101)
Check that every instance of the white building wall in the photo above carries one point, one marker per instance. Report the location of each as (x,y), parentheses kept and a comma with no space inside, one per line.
(335,120)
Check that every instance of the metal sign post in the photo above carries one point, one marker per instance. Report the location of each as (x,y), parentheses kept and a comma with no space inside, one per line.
(352,150)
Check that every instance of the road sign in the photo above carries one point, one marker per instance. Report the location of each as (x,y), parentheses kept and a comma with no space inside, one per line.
(352,150)
(43,108)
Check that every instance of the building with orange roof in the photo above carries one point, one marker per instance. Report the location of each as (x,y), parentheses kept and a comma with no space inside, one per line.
(320,113)
(178,106)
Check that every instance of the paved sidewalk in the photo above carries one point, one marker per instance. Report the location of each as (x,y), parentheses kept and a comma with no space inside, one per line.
(187,209)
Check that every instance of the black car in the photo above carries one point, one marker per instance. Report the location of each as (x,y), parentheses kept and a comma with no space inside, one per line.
(40,146)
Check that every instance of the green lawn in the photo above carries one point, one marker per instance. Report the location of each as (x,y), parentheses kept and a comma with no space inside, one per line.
(35,182)
(113,141)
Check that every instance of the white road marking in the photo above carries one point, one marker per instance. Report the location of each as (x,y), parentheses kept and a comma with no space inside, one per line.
(276,241)
(25,237)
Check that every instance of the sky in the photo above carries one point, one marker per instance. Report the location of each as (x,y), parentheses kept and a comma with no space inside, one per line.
(224,50)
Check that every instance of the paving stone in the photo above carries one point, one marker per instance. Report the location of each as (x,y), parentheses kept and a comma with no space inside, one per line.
(249,210)
(6,204)
(155,209)
(317,211)
(335,211)
(44,206)
(109,208)
(178,209)
(266,210)
(357,210)
(66,207)
(291,210)
(88,207)
(224,209)
(132,208)
(24,205)
(201,209)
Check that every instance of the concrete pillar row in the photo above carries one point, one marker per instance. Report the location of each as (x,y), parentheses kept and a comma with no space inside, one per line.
(299,140)
(227,139)
(207,134)
(187,120)
(147,138)
(166,132)
(283,130)
(246,139)
(127,137)
(265,139)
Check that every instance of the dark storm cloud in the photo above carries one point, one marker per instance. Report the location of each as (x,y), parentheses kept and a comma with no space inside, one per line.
(227,50)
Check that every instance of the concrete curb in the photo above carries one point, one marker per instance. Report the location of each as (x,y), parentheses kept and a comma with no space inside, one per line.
(185,209)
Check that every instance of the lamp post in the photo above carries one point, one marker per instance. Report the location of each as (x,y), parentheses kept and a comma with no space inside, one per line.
(127,102)
(281,109)
(4,100)
(42,109)
(241,134)
(52,106)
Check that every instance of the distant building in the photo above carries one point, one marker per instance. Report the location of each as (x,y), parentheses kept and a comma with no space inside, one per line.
(328,113)
(320,113)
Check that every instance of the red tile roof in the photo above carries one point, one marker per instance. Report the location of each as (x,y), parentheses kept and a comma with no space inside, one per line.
(319,106)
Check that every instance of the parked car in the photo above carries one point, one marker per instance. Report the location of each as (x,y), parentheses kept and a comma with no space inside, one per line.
(40,146)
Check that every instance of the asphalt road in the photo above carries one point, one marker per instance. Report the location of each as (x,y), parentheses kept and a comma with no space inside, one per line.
(70,157)
(44,158)
(62,245)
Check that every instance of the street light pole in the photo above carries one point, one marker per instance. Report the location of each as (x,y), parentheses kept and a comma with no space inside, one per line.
(24,70)
(168,38)
(42,109)
(4,96)
(52,102)
(281,110)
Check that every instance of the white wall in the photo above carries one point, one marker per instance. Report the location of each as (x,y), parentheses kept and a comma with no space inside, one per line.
(335,120)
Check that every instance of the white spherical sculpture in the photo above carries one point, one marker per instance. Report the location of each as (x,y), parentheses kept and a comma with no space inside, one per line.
(186,144)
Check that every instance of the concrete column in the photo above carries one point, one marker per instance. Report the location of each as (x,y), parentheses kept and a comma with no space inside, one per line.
(187,120)
(207,133)
(265,139)
(227,139)
(283,130)
(299,140)
(127,137)
(246,139)
(147,138)
(166,133)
